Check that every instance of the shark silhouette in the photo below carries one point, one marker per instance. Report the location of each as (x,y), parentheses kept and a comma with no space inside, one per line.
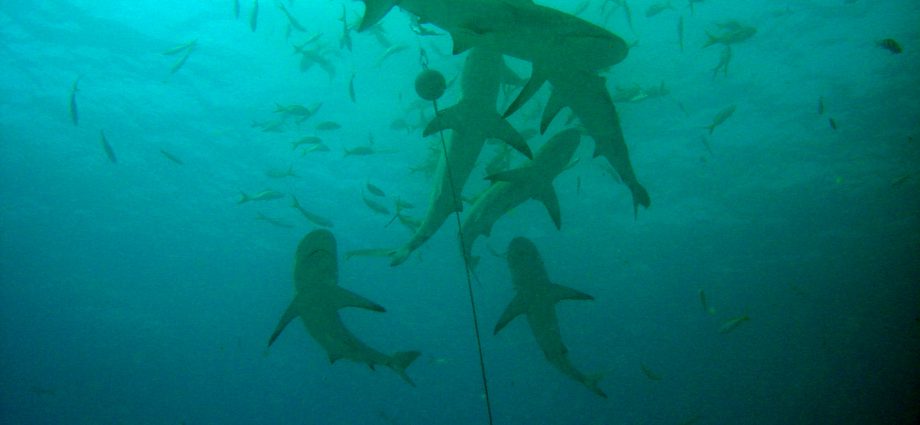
(473,120)
(536,298)
(563,49)
(511,188)
(317,302)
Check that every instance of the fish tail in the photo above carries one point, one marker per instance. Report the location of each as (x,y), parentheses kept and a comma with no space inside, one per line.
(711,40)
(400,361)
(243,198)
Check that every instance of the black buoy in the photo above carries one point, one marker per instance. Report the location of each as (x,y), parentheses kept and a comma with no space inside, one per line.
(430,84)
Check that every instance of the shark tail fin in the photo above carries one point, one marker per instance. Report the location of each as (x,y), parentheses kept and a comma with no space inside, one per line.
(592,381)
(286,318)
(400,361)
(243,198)
(711,40)
(640,197)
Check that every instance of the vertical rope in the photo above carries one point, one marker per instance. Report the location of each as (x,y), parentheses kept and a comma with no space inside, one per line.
(423,58)
(466,267)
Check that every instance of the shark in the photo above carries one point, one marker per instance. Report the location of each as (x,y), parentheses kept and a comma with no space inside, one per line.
(473,120)
(536,297)
(563,50)
(511,188)
(587,96)
(318,299)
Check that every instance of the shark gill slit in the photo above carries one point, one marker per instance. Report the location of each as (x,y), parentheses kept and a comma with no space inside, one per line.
(466,260)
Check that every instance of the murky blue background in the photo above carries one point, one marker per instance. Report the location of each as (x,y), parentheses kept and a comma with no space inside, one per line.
(141,293)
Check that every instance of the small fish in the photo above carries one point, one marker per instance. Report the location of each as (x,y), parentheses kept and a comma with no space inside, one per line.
(680,32)
(374,190)
(345,41)
(628,14)
(328,126)
(392,50)
(833,123)
(721,117)
(306,140)
(319,147)
(724,59)
(375,206)
(107,147)
(178,65)
(74,116)
(171,157)
(731,324)
(411,223)
(280,174)
(657,8)
(691,3)
(181,48)
(649,373)
(314,218)
(821,105)
(265,195)
(705,304)
(291,20)
(254,15)
(351,88)
(890,45)
(274,221)
(403,205)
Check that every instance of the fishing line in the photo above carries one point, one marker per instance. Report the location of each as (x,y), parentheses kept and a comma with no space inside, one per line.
(430,85)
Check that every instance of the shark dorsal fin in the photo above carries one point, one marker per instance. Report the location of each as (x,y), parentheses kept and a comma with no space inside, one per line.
(550,200)
(502,130)
(553,106)
(345,298)
(515,308)
(560,293)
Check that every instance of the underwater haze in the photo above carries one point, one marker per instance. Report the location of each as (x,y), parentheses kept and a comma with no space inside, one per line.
(151,152)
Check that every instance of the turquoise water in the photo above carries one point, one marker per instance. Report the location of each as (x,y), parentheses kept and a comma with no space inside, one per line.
(140,292)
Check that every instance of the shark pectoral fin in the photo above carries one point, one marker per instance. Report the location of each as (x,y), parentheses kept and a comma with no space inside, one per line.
(515,308)
(289,314)
(400,361)
(448,119)
(533,85)
(503,131)
(464,39)
(551,202)
(559,293)
(374,11)
(521,174)
(553,106)
(346,298)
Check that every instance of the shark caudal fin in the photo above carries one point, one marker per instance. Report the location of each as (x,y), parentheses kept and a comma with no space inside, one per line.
(640,197)
(592,381)
(400,361)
